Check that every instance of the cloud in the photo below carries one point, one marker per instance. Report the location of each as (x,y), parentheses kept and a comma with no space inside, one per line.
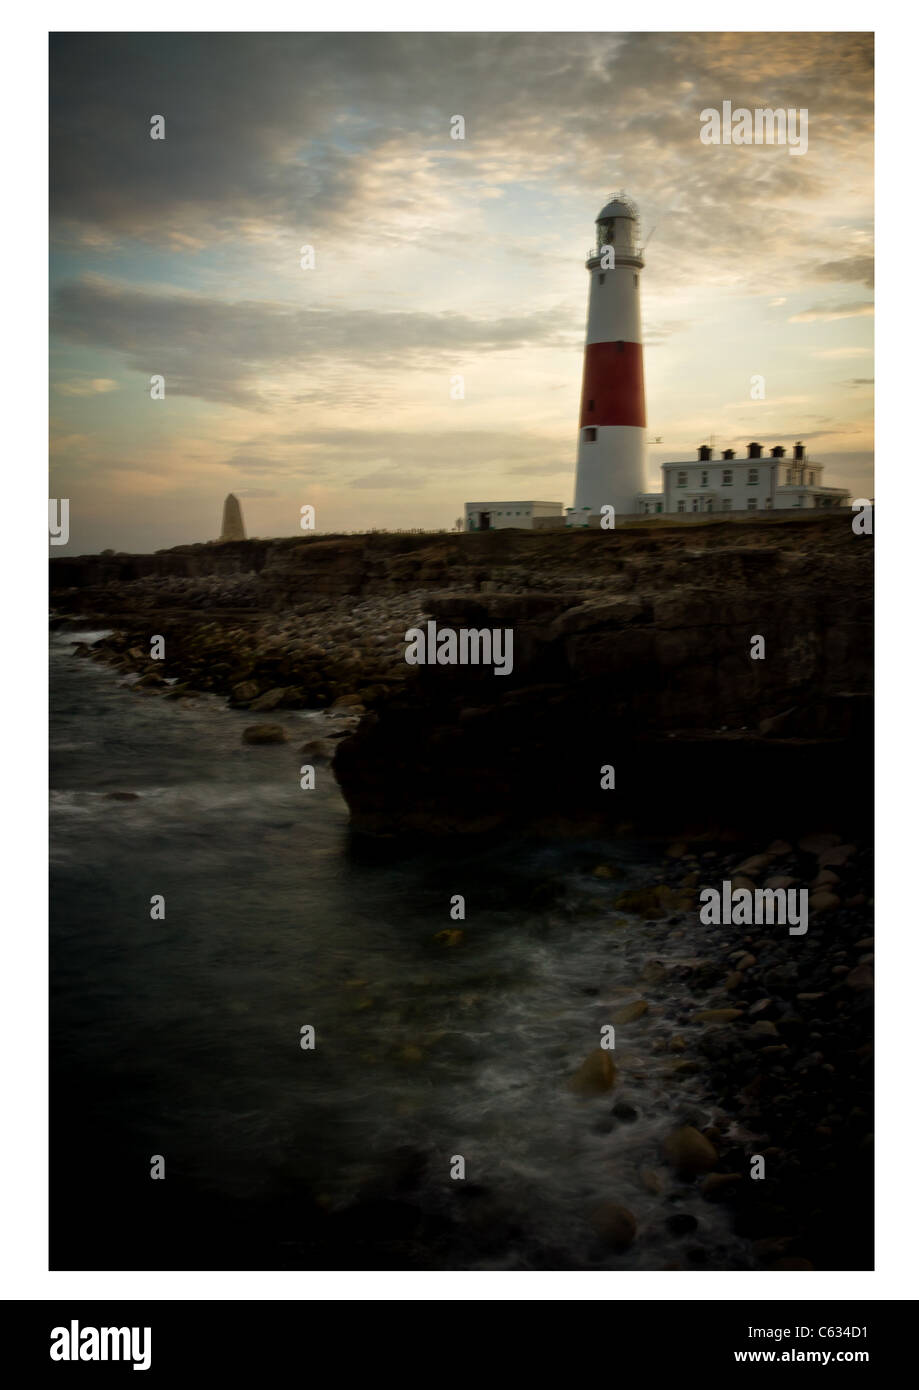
(828,312)
(843,352)
(855,268)
(81,387)
(235,352)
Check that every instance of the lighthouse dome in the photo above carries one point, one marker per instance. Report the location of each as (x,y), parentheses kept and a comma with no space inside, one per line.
(617,208)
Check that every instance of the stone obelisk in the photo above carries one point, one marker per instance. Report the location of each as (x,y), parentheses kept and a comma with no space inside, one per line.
(233,528)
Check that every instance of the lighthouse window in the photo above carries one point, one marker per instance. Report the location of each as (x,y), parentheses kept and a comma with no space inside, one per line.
(590,405)
(752,476)
(681,506)
(681,479)
(635,281)
(590,435)
(602,279)
(705,477)
(727,477)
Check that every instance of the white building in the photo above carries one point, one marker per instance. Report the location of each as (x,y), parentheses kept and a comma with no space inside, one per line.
(500,516)
(751,484)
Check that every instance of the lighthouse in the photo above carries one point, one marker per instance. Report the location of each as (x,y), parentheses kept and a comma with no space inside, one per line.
(611,430)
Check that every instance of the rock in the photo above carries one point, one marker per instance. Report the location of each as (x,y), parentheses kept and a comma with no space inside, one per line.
(450,936)
(651,1180)
(780,881)
(245,691)
(151,678)
(717,1185)
(316,749)
(816,844)
(754,865)
(746,961)
(822,901)
(655,901)
(630,1012)
(264,733)
(677,1044)
(765,1028)
(761,1007)
(595,1075)
(270,700)
(625,1112)
(681,1224)
(865,943)
(838,855)
(348,702)
(604,871)
(717,1015)
(689,1152)
(677,850)
(733,980)
(862,977)
(779,848)
(410,1053)
(741,881)
(615,1225)
(825,879)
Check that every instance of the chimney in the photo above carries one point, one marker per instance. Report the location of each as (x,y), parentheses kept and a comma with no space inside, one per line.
(754,451)
(778,452)
(799,452)
(705,452)
(727,453)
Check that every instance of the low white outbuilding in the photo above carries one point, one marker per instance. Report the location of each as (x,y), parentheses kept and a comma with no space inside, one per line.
(501,516)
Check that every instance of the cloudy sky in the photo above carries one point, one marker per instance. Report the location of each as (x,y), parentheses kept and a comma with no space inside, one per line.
(435,258)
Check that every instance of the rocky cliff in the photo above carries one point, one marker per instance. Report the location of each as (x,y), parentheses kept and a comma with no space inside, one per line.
(632,650)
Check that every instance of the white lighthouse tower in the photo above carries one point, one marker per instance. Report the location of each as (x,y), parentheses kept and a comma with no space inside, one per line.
(611,431)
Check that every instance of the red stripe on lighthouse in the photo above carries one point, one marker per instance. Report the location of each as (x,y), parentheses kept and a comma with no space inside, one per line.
(614,385)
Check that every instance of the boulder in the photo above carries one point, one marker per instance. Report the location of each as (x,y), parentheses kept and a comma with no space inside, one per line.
(630,1012)
(839,854)
(264,733)
(615,1225)
(270,700)
(245,692)
(689,1152)
(717,1015)
(595,1075)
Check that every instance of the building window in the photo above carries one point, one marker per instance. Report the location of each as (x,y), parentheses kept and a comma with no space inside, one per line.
(799,501)
(658,506)
(751,504)
(705,477)
(709,504)
(810,479)
(768,504)
(695,504)
(752,477)
(727,477)
(590,405)
(681,506)
(590,435)
(726,504)
(681,478)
